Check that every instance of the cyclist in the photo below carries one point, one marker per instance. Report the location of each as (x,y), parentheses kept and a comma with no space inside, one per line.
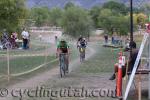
(81,45)
(63,47)
(56,39)
(81,42)
(6,40)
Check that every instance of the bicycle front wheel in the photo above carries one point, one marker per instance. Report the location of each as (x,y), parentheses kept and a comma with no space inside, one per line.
(8,45)
(62,66)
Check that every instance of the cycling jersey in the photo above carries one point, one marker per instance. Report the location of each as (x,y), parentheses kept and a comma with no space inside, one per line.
(83,43)
(63,46)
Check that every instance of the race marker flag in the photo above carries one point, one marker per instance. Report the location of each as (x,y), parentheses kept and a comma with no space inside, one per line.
(135,65)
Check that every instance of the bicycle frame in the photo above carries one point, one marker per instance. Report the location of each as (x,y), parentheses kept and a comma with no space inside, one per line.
(82,53)
(63,63)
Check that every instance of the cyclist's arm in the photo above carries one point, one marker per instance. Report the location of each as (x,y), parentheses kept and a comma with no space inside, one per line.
(68,47)
(77,43)
(58,48)
(86,42)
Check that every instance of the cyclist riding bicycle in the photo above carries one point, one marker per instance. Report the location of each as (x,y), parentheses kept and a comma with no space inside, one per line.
(81,45)
(5,40)
(63,48)
(81,42)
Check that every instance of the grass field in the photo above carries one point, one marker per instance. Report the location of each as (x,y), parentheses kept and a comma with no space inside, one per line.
(102,62)
(88,74)
(27,63)
(93,73)
(21,64)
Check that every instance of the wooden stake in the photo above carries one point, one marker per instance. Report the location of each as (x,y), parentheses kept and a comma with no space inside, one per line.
(139,87)
(8,65)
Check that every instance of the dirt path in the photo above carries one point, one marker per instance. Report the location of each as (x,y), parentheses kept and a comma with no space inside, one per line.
(43,77)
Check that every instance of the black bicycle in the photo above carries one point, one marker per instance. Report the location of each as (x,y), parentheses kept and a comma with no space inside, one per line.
(63,64)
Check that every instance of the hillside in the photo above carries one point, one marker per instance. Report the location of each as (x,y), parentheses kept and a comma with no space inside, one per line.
(82,3)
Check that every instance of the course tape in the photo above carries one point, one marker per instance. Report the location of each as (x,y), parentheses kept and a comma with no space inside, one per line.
(22,55)
(32,70)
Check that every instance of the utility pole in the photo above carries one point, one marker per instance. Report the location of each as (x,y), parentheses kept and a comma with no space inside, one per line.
(131,24)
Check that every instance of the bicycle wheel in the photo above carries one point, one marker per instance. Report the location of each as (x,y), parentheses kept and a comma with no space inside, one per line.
(62,66)
(61,71)
(8,45)
(82,54)
(64,69)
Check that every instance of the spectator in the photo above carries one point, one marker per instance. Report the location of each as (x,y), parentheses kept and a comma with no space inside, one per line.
(25,37)
(13,40)
(106,38)
(131,62)
(40,37)
(56,39)
(112,39)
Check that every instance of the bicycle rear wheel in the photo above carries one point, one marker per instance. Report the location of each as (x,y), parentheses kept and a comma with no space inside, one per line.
(61,72)
(82,54)
(8,45)
(62,66)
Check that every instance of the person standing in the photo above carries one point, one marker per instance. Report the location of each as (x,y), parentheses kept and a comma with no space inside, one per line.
(129,64)
(106,38)
(25,37)
(40,37)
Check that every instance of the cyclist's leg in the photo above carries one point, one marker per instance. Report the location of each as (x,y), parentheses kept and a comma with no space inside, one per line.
(84,52)
(61,62)
(60,65)
(80,54)
(67,62)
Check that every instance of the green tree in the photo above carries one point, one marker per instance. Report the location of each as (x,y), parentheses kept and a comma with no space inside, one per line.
(122,25)
(11,13)
(40,15)
(146,9)
(76,21)
(68,5)
(110,22)
(116,7)
(104,20)
(55,16)
(94,13)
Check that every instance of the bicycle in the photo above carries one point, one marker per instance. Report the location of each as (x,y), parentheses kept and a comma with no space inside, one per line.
(82,53)
(63,64)
(6,44)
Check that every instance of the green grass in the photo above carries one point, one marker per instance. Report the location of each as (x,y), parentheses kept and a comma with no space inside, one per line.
(103,61)
(22,64)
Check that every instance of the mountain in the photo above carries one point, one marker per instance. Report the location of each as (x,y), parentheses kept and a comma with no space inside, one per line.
(82,3)
(62,3)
